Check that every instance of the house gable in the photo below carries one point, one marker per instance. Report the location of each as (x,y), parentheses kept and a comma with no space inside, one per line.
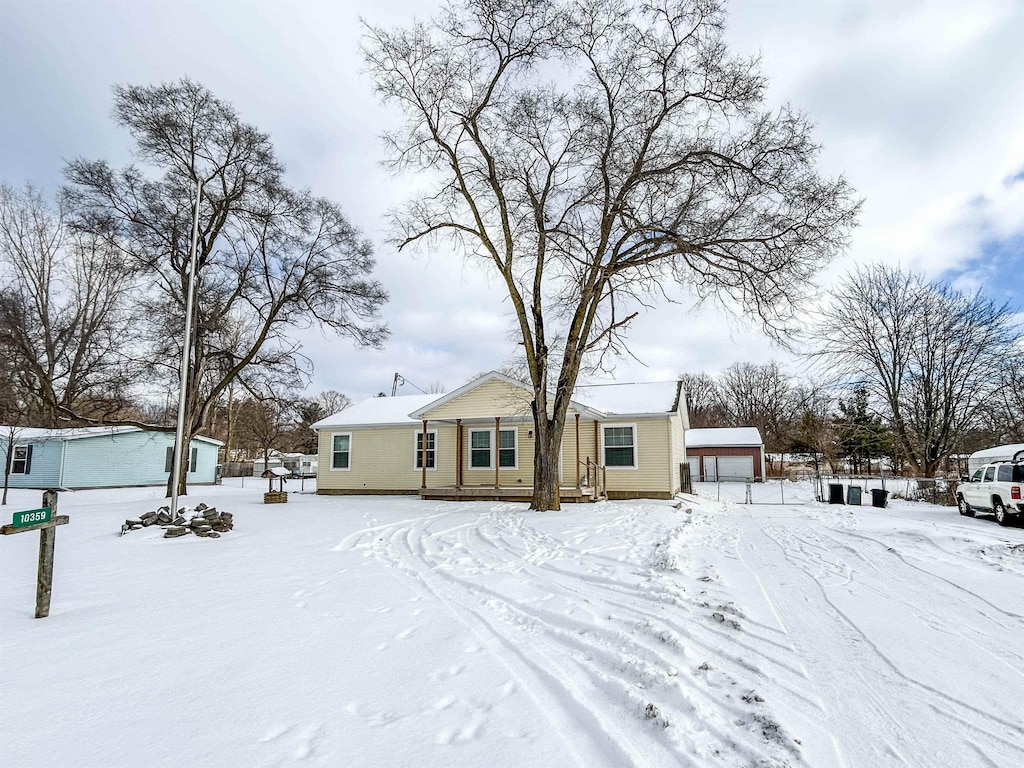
(486,398)
(493,394)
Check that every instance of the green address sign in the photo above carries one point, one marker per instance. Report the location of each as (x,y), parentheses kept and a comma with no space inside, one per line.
(32,517)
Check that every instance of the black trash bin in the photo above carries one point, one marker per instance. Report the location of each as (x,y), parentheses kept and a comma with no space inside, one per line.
(853,495)
(835,493)
(878,497)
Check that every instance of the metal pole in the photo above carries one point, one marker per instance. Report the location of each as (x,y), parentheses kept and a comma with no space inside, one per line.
(186,350)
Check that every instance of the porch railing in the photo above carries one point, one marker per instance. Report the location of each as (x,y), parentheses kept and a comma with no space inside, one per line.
(595,476)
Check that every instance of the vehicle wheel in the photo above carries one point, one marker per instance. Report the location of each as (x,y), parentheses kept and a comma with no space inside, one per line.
(965,508)
(1000,509)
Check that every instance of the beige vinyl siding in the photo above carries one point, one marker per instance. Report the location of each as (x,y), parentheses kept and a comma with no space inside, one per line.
(384,459)
(678,452)
(652,458)
(522,475)
(495,398)
(569,448)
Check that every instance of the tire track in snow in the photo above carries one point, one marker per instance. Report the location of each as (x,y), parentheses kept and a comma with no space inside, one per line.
(943,697)
(802,554)
(598,676)
(935,613)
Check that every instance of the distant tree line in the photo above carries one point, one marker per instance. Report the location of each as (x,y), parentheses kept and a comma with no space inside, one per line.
(907,369)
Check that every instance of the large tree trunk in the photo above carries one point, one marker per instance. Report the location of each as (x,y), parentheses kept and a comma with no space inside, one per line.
(545,466)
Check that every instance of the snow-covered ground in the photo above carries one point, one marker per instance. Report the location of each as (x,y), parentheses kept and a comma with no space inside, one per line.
(387,631)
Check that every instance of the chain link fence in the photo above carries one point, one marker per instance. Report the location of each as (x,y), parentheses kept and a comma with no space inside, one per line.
(806,488)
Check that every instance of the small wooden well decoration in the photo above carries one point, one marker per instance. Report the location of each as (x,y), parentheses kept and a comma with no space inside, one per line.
(279,496)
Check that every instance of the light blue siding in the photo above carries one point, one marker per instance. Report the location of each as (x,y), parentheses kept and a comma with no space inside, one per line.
(130,458)
(45,469)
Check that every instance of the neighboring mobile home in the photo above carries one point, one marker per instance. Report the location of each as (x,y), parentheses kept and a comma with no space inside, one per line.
(1000,453)
(101,457)
(620,441)
(298,464)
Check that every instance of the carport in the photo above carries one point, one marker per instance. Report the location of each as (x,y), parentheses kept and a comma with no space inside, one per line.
(726,453)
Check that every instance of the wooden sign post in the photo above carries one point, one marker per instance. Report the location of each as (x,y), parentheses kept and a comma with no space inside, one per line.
(45,521)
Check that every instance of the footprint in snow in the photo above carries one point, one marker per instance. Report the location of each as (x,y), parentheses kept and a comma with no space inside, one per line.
(299,743)
(467,732)
(444,702)
(444,674)
(275,732)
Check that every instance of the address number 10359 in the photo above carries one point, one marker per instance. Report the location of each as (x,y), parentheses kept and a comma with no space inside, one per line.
(32,517)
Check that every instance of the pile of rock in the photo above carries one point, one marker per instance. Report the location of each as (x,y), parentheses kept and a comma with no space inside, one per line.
(203,521)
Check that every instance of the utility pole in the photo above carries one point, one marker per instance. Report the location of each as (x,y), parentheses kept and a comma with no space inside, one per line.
(186,353)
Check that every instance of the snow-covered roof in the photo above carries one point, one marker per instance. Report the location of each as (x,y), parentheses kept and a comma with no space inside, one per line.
(377,411)
(600,400)
(630,399)
(79,433)
(724,437)
(999,452)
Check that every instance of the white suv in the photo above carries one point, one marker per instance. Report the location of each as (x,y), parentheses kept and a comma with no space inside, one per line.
(995,488)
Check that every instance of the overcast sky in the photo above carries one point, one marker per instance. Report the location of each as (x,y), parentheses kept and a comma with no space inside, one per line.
(920,103)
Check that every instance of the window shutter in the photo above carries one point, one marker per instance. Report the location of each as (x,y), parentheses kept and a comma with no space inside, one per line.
(28,460)
(169,461)
(195,459)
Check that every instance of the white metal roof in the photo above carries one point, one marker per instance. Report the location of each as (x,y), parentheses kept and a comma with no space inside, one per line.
(630,399)
(603,400)
(79,433)
(724,437)
(376,411)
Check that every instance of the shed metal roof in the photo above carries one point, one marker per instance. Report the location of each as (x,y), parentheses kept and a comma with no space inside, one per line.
(724,437)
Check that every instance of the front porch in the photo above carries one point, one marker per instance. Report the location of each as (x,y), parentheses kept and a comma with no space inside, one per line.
(568,494)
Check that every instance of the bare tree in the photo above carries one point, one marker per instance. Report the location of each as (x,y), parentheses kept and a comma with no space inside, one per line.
(262,424)
(703,401)
(928,356)
(311,409)
(1009,411)
(270,259)
(65,311)
(332,401)
(588,151)
(12,412)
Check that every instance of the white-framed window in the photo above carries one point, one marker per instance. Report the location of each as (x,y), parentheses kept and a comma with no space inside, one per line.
(21,460)
(508,448)
(169,459)
(618,445)
(481,448)
(341,451)
(431,449)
